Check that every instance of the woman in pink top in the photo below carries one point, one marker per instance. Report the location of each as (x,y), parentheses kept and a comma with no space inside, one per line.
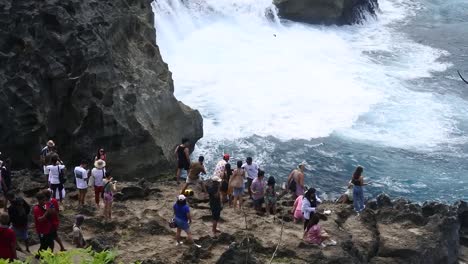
(296,210)
(314,234)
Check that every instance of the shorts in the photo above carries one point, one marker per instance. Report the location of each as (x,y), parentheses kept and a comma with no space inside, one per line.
(258,202)
(249,183)
(181,224)
(21,233)
(108,197)
(183,165)
(216,213)
(238,191)
(191,181)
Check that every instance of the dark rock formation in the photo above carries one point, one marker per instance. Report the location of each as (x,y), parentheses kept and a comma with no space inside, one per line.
(340,12)
(86,74)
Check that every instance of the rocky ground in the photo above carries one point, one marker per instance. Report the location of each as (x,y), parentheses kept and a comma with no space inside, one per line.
(387,232)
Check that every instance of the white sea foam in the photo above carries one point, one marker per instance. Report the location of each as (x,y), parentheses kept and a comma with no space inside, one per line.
(250,75)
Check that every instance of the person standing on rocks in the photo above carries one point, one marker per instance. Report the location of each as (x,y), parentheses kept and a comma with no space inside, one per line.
(236,183)
(194,174)
(5,172)
(251,170)
(224,189)
(19,211)
(215,202)
(53,207)
(296,181)
(81,177)
(3,189)
(182,153)
(108,196)
(358,191)
(7,239)
(183,220)
(98,173)
(43,223)
(100,155)
(221,166)
(297,209)
(258,190)
(270,196)
(309,205)
(44,152)
(55,169)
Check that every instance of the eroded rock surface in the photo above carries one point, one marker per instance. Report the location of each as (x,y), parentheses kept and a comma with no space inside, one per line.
(86,74)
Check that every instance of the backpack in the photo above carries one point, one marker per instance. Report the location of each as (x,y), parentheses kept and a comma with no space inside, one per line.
(292,186)
(62,178)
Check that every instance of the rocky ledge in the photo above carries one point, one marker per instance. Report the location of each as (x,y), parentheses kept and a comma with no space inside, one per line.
(388,231)
(86,74)
(340,12)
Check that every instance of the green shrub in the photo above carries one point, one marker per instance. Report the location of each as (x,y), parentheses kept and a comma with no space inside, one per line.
(82,256)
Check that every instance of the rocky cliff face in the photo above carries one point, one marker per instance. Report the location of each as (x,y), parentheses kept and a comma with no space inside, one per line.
(340,12)
(88,73)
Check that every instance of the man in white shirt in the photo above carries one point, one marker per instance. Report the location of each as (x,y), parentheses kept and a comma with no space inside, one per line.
(54,176)
(251,170)
(81,177)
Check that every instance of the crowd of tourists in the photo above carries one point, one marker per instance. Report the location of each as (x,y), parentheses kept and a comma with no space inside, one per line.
(14,221)
(228,187)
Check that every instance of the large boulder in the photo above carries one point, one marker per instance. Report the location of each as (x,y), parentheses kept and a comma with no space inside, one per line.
(327,12)
(86,74)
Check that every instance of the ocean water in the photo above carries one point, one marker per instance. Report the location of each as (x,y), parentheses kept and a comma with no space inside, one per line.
(383,94)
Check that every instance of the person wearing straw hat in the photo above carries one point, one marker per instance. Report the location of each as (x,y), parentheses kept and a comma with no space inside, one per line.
(98,173)
(46,150)
(183,219)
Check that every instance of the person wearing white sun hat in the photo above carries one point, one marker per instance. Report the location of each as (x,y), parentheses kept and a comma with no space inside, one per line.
(183,219)
(98,173)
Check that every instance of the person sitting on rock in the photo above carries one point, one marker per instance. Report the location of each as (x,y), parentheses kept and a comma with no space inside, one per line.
(297,209)
(108,195)
(183,219)
(270,195)
(309,205)
(78,239)
(347,197)
(314,234)
(196,168)
(236,183)
(258,190)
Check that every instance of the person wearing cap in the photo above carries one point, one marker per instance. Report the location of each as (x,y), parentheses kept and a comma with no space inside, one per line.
(296,181)
(251,170)
(194,174)
(221,166)
(183,219)
(98,173)
(213,189)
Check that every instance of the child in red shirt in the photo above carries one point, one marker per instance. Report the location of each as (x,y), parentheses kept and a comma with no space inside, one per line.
(43,223)
(53,206)
(7,239)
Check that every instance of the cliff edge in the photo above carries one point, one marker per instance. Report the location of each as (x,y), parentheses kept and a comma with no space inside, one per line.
(87,74)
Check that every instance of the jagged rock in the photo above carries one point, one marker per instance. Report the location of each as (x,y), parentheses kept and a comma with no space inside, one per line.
(384,200)
(103,241)
(326,11)
(134,192)
(86,74)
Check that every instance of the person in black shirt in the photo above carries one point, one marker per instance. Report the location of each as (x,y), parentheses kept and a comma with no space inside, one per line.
(19,211)
(182,153)
(6,173)
(213,189)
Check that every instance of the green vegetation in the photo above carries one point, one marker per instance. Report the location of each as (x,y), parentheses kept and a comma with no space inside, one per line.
(82,256)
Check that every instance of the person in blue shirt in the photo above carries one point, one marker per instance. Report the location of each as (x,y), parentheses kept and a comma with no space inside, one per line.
(183,220)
